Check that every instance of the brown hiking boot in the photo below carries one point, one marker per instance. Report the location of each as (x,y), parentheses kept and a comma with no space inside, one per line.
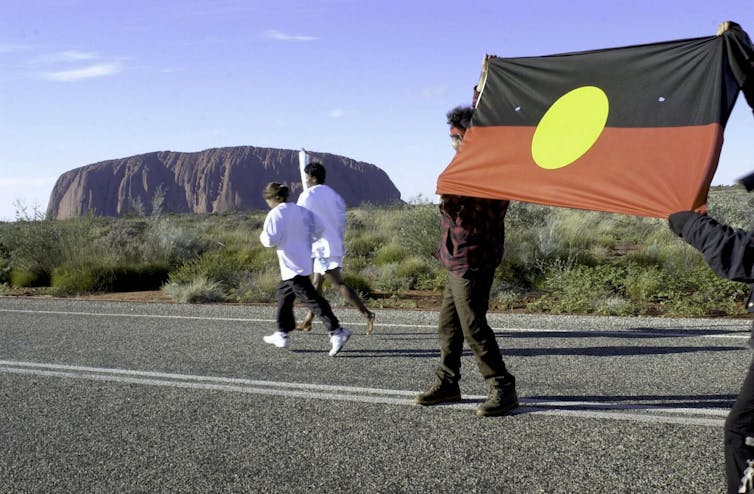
(501,400)
(440,392)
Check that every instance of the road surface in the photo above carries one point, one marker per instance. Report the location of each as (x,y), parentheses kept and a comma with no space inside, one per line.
(152,397)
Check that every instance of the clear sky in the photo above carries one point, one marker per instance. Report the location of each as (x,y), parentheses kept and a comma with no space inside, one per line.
(83,81)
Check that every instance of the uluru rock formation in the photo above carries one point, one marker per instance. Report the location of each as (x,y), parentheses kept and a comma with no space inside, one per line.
(211,181)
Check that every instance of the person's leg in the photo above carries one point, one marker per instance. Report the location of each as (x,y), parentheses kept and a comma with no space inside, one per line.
(471,295)
(285,297)
(306,325)
(450,336)
(286,321)
(445,388)
(311,298)
(306,293)
(739,435)
(335,278)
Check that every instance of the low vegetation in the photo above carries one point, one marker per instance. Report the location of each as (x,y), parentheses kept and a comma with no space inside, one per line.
(557,260)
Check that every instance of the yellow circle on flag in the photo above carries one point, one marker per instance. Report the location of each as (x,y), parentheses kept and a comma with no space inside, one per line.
(570,127)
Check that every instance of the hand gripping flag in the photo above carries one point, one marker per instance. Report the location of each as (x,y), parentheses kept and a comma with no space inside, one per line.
(635,130)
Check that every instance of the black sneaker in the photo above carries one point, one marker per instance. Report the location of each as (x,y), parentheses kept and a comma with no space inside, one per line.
(440,392)
(501,400)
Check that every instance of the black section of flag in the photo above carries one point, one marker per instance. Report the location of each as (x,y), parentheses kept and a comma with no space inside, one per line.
(652,85)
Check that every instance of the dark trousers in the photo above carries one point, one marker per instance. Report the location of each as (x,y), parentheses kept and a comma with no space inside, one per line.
(738,427)
(301,288)
(463,316)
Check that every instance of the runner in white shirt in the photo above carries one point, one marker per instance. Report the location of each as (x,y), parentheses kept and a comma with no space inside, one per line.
(328,251)
(292,229)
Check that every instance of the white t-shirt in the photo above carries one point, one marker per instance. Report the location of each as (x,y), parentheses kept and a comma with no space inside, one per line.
(291,229)
(330,208)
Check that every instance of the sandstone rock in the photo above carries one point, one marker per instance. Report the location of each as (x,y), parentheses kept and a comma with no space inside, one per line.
(210,181)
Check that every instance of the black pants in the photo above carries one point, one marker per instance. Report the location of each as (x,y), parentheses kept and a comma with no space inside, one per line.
(463,316)
(738,427)
(301,288)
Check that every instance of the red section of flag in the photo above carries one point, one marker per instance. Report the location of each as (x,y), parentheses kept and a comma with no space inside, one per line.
(640,171)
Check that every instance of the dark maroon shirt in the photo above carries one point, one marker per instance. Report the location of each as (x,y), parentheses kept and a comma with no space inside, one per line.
(472,233)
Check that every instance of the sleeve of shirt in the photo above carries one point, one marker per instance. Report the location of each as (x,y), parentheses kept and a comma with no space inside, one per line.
(270,235)
(728,251)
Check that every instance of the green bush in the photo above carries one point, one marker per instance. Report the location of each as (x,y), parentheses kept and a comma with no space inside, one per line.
(28,278)
(363,245)
(197,291)
(99,278)
(389,253)
(258,286)
(419,229)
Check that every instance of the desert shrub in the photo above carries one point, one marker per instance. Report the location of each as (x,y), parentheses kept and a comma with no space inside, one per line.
(583,289)
(197,291)
(364,245)
(4,273)
(700,292)
(521,215)
(504,299)
(33,246)
(389,253)
(219,267)
(258,286)
(355,264)
(169,243)
(419,229)
(27,278)
(384,277)
(414,272)
(732,205)
(357,220)
(125,240)
(94,277)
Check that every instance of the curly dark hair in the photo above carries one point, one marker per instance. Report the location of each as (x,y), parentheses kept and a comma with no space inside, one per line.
(316,170)
(460,117)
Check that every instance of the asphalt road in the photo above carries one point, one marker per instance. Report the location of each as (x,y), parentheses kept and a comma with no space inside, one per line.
(126,397)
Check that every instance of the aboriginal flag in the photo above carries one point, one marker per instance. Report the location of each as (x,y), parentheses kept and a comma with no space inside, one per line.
(635,130)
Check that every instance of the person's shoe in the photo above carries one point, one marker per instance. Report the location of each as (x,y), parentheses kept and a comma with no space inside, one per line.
(370,321)
(440,392)
(278,338)
(501,400)
(338,340)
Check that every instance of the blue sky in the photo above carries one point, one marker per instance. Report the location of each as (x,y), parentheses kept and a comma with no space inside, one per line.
(83,81)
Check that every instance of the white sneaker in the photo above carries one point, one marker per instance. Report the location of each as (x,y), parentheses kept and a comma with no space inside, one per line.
(278,338)
(338,340)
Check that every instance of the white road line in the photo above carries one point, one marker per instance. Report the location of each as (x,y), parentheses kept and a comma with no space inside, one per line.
(734,334)
(636,412)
